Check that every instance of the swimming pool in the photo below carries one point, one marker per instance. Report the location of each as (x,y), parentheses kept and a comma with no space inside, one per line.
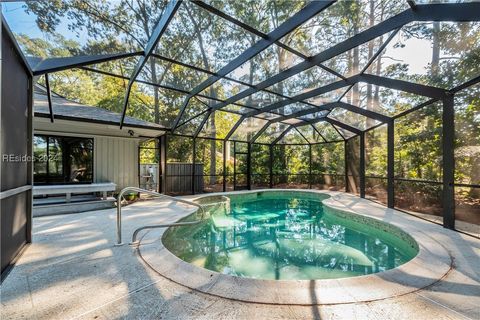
(288,235)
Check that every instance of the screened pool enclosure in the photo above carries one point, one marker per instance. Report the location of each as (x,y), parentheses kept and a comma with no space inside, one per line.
(376,98)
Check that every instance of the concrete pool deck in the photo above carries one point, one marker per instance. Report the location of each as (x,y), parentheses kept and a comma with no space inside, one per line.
(73,271)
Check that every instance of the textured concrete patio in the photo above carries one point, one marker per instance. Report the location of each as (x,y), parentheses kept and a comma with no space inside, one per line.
(73,271)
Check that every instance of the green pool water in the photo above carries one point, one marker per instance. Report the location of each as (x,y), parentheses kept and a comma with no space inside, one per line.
(286,236)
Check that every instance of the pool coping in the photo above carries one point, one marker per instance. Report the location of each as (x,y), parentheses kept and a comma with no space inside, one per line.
(432,263)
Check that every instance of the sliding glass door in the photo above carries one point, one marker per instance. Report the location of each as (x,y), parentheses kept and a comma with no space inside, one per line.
(62,160)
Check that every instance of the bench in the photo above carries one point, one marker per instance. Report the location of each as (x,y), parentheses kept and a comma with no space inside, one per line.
(68,189)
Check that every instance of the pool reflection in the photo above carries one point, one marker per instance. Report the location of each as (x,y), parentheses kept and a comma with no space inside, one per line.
(275,238)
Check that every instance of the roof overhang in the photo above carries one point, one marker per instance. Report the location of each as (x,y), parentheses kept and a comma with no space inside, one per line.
(65,124)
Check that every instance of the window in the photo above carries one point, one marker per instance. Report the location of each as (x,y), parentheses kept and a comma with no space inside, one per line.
(62,160)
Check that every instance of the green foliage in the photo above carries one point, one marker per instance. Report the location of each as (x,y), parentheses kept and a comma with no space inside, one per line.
(328,158)
(376,152)
(418,149)
(260,159)
(290,159)
(212,164)
(149,152)
(180,149)
(205,41)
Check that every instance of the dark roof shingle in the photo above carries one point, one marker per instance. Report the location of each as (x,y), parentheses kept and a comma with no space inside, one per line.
(68,109)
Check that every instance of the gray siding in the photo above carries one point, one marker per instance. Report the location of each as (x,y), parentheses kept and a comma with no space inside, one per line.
(116,160)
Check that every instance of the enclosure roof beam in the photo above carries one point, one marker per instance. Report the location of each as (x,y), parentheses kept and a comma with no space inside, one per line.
(306,95)
(186,65)
(153,84)
(245,26)
(310,122)
(418,107)
(49,97)
(167,15)
(291,24)
(260,132)
(335,122)
(250,29)
(304,138)
(327,106)
(106,73)
(379,50)
(410,87)
(282,135)
(364,112)
(336,129)
(373,58)
(465,85)
(316,130)
(227,17)
(200,127)
(5,28)
(343,125)
(428,12)
(42,66)
(365,36)
(234,128)
(192,118)
(400,85)
(314,109)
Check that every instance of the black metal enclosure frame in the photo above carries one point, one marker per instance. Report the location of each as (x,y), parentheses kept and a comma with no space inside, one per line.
(458,12)
(17,174)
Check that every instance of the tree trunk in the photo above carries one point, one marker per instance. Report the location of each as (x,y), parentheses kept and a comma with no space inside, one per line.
(353,165)
(370,101)
(349,95)
(378,71)
(435,49)
(281,65)
(152,67)
(355,67)
(155,92)
(213,150)
(213,93)
(475,176)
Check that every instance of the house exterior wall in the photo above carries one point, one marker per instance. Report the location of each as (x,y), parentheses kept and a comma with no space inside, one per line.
(115,159)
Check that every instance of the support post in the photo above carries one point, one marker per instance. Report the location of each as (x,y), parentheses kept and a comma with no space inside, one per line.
(49,97)
(30,152)
(270,171)
(234,165)
(390,164)
(158,157)
(139,179)
(224,165)
(362,165)
(345,147)
(163,141)
(309,166)
(448,134)
(249,166)
(193,164)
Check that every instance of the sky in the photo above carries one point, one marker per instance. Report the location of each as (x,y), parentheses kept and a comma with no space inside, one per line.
(417,52)
(21,22)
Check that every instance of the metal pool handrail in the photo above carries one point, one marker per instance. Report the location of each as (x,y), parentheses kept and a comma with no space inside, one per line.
(166,225)
(158,195)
